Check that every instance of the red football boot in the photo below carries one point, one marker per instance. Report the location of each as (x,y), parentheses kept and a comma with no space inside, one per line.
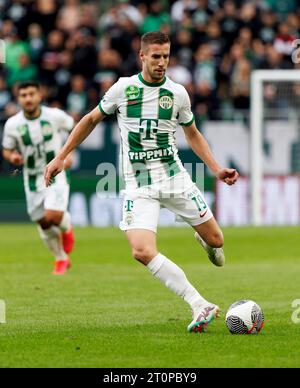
(68,241)
(61,266)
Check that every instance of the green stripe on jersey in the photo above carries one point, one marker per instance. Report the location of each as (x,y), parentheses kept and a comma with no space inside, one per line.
(169,162)
(49,156)
(142,174)
(24,131)
(135,141)
(134,104)
(165,104)
(30,161)
(32,182)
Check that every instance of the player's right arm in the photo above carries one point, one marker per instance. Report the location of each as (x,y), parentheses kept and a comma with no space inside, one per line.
(9,144)
(77,136)
(13,157)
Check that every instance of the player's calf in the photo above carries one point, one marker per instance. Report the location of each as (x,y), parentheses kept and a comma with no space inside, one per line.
(214,240)
(52,238)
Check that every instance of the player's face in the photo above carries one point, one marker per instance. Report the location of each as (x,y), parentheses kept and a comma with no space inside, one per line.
(29,99)
(155,60)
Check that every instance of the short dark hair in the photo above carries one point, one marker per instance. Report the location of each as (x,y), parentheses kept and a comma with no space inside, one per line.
(27,84)
(154,37)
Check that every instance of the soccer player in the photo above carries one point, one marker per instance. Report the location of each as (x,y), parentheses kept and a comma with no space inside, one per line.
(31,139)
(149,107)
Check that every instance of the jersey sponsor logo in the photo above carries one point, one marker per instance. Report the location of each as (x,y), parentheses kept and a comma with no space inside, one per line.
(149,127)
(165,102)
(132,92)
(151,154)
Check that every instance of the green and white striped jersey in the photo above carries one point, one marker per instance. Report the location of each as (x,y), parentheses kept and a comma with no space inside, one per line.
(148,115)
(39,141)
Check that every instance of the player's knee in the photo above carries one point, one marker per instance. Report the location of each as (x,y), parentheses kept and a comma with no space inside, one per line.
(52,218)
(44,223)
(143,254)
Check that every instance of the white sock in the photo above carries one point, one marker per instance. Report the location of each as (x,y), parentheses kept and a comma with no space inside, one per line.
(174,278)
(52,239)
(65,224)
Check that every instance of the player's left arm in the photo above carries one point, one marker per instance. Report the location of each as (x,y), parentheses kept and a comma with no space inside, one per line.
(201,148)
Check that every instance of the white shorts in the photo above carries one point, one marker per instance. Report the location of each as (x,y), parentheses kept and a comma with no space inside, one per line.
(54,197)
(179,194)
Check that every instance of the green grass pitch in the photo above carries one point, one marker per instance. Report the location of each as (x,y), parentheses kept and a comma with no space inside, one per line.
(108,311)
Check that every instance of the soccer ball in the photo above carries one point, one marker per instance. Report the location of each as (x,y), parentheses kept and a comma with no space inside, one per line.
(245,317)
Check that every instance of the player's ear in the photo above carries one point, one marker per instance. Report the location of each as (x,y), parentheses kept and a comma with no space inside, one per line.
(142,55)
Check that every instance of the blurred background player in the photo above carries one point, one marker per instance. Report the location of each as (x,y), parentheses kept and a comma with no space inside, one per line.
(149,108)
(31,139)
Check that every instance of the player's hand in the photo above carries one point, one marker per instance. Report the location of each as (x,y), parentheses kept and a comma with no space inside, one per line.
(16,158)
(228,175)
(52,169)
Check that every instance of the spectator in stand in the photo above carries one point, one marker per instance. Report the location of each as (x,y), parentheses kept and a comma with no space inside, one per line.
(155,18)
(180,7)
(26,71)
(183,47)
(83,50)
(230,23)
(180,74)
(36,41)
(5,98)
(77,98)
(267,31)
(68,18)
(49,62)
(205,82)
(240,84)
(283,42)
(44,12)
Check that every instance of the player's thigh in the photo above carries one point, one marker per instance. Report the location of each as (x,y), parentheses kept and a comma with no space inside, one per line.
(140,220)
(210,232)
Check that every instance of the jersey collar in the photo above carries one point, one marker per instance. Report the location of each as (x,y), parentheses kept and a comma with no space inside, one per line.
(36,118)
(152,84)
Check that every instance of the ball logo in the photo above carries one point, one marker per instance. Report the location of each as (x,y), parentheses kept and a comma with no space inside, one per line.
(165,102)
(132,92)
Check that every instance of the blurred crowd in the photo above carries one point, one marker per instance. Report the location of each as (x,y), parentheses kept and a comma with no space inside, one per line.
(78,49)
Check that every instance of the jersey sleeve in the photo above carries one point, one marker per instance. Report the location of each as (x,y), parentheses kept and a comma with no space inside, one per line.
(109,102)
(9,139)
(185,116)
(65,121)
